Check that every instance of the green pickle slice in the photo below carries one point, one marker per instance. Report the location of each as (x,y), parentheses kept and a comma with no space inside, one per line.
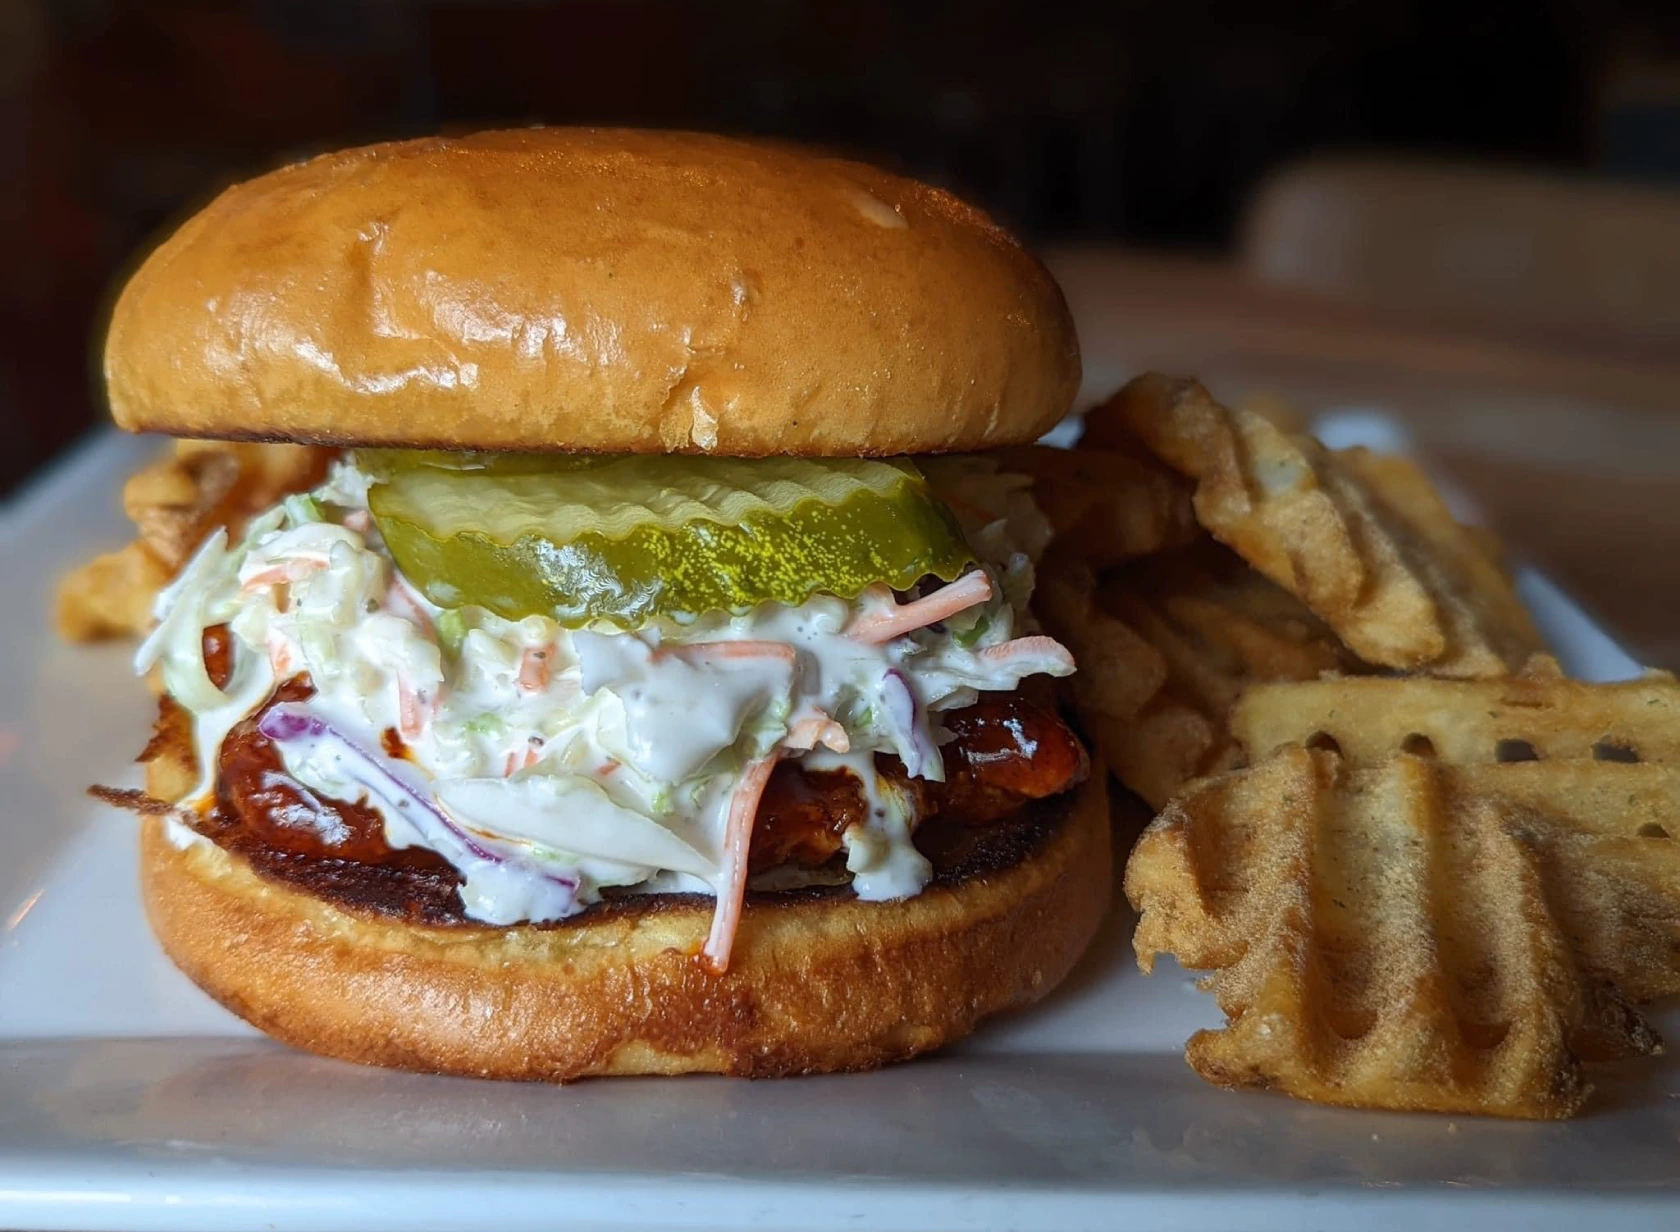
(624,540)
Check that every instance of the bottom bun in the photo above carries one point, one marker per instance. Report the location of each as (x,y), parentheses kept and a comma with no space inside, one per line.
(816,984)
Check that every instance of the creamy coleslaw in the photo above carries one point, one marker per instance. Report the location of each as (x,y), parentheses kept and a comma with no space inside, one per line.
(547,764)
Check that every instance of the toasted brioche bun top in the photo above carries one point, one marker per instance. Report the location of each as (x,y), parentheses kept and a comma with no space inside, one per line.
(593,289)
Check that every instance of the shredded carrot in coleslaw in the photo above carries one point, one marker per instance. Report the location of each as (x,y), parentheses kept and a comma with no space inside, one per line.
(513,762)
(279,575)
(947,601)
(408,710)
(1037,645)
(743,811)
(413,710)
(534,668)
(807,733)
(398,596)
(280,659)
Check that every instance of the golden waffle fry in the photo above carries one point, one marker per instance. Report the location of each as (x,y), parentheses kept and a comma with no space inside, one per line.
(1119,672)
(109,596)
(1412,935)
(1269,404)
(1106,506)
(1611,843)
(174,503)
(1220,625)
(1534,715)
(1461,566)
(1195,628)
(214,483)
(1365,543)
(1151,741)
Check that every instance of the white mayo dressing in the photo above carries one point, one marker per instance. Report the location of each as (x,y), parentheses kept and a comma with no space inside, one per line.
(546,764)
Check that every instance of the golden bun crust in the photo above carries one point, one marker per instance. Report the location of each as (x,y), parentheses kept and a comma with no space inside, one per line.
(593,290)
(815,985)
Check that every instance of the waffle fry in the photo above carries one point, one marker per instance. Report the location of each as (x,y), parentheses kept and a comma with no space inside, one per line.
(1365,543)
(1166,645)
(1536,715)
(1488,628)
(1107,506)
(1220,625)
(1413,935)
(1151,741)
(1119,672)
(1611,834)
(109,596)
(174,503)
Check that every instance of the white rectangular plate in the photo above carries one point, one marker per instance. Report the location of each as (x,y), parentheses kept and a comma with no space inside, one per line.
(129,1100)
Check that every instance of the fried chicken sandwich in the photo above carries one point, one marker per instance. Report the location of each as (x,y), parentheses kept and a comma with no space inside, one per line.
(629,698)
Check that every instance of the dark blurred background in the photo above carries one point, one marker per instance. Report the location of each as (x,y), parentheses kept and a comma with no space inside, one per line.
(1143,124)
